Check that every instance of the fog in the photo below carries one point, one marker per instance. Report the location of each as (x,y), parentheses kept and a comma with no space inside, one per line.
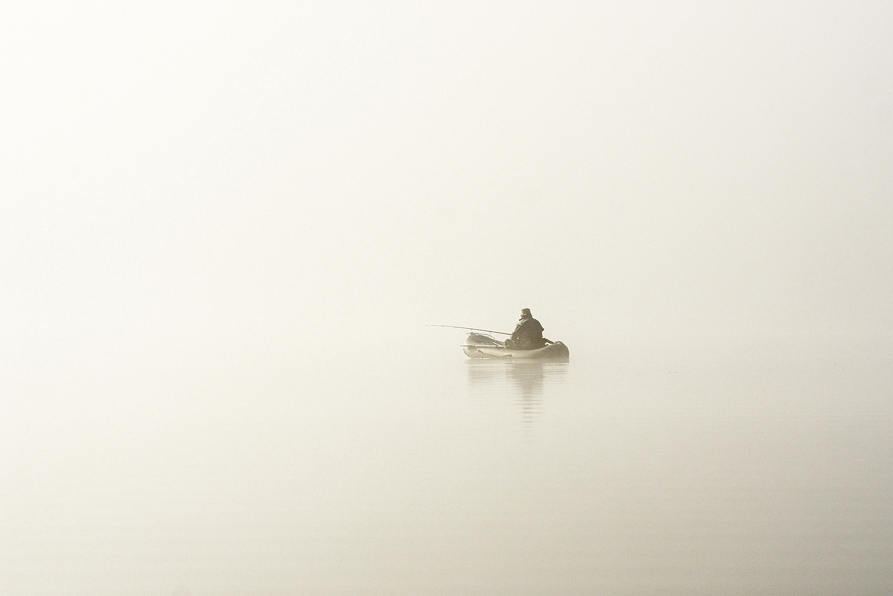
(235,199)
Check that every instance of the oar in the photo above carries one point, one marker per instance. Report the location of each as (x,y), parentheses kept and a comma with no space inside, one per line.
(471,329)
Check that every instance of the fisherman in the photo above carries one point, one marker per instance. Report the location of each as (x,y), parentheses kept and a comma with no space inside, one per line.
(528,333)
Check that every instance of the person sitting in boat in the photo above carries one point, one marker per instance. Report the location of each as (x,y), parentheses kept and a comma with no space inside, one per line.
(528,333)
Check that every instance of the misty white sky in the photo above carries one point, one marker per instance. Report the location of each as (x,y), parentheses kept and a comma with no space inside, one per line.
(273,170)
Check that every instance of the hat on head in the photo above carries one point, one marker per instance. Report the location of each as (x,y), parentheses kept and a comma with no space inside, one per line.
(525,312)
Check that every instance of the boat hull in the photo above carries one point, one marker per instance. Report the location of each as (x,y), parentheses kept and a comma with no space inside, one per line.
(554,352)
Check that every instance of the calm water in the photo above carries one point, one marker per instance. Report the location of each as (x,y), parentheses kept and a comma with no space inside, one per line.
(697,469)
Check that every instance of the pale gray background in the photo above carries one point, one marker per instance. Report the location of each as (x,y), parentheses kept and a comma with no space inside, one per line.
(210,199)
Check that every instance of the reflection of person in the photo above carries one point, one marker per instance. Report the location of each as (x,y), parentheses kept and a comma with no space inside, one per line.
(528,333)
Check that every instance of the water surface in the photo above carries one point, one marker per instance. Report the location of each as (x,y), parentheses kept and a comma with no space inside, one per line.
(735,469)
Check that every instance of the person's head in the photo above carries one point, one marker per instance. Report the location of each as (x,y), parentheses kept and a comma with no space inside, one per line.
(525,313)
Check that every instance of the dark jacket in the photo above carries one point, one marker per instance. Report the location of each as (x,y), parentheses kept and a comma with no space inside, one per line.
(528,334)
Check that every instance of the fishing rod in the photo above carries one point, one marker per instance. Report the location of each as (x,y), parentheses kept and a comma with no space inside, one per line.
(471,329)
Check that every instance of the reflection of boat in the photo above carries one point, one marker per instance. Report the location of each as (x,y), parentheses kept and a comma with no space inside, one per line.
(479,345)
(526,382)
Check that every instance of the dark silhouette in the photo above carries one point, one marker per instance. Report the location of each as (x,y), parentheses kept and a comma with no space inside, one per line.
(528,333)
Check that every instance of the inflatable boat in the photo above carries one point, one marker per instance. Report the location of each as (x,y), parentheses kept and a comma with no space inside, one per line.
(479,345)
